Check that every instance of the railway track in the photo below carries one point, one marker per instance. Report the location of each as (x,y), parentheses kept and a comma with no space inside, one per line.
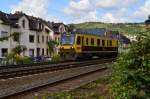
(68,70)
(22,70)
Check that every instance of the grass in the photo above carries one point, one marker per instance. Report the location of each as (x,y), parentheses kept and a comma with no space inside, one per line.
(124,28)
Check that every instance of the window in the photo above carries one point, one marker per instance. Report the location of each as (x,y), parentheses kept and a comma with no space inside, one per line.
(16,38)
(40,26)
(87,41)
(98,42)
(82,40)
(46,39)
(92,41)
(103,42)
(31,38)
(38,51)
(38,39)
(117,43)
(4,34)
(42,39)
(4,52)
(107,42)
(110,42)
(47,51)
(67,40)
(46,30)
(23,23)
(31,52)
(78,40)
(43,51)
(56,39)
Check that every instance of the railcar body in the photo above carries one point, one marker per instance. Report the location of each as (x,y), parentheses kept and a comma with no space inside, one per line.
(88,43)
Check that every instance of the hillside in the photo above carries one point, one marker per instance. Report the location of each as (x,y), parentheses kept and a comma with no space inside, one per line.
(124,28)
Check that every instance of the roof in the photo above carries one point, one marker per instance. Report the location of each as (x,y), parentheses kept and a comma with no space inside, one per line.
(12,19)
(96,32)
(56,26)
(4,17)
(34,22)
(102,32)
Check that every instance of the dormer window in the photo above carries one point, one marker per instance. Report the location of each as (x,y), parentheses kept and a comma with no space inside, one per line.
(23,23)
(46,30)
(41,26)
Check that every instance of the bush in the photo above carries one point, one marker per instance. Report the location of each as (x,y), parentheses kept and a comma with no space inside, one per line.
(56,58)
(23,60)
(27,60)
(131,73)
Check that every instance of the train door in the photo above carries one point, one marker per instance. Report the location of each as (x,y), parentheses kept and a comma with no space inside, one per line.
(78,43)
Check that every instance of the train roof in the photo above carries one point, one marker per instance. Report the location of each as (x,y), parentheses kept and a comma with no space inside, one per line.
(96,32)
(102,32)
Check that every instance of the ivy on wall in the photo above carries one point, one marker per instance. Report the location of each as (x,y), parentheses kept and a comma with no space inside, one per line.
(15,34)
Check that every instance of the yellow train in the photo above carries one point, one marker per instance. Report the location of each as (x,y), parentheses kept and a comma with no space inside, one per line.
(88,43)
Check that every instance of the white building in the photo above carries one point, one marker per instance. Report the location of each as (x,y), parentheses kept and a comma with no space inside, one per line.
(34,34)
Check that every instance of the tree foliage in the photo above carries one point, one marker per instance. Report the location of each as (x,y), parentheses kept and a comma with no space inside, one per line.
(51,45)
(131,72)
(15,34)
(19,49)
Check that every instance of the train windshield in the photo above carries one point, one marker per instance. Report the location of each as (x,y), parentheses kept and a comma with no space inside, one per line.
(67,40)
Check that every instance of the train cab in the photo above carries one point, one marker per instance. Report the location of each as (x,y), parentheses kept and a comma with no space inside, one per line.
(71,44)
(67,43)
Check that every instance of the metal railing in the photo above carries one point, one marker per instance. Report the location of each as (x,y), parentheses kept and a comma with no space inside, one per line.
(5,62)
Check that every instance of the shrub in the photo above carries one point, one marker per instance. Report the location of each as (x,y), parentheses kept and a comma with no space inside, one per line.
(131,72)
(56,58)
(27,60)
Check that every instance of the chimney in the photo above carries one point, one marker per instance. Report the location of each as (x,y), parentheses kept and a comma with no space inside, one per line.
(18,12)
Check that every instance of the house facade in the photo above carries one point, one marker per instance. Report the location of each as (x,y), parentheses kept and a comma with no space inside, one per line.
(34,33)
(58,29)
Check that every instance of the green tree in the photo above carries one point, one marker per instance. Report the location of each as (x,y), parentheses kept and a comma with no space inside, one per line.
(15,34)
(19,49)
(131,72)
(51,45)
(71,27)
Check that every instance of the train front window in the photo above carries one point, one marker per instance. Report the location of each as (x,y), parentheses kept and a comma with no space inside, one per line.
(67,40)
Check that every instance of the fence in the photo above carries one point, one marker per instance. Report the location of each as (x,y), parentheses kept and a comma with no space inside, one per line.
(4,62)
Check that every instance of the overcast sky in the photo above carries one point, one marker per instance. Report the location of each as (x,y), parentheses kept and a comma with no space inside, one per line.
(77,11)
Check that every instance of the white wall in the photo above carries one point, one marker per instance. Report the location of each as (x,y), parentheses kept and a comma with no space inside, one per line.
(44,45)
(6,43)
(24,37)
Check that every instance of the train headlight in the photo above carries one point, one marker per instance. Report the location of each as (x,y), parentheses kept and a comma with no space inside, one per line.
(71,47)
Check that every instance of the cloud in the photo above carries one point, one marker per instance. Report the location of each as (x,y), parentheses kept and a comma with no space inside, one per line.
(114,4)
(106,3)
(143,10)
(88,10)
(38,8)
(81,11)
(82,6)
(110,18)
(90,16)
